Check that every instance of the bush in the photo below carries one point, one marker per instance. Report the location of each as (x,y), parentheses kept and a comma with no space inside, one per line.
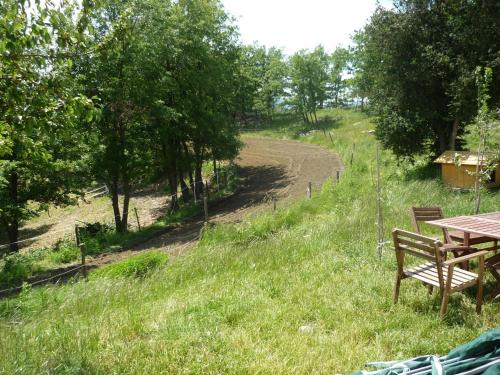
(15,268)
(94,229)
(136,266)
(65,251)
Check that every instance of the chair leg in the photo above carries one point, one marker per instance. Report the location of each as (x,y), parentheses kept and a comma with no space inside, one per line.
(444,303)
(396,288)
(480,286)
(446,293)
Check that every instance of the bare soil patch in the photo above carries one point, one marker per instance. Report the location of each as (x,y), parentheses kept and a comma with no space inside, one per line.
(268,167)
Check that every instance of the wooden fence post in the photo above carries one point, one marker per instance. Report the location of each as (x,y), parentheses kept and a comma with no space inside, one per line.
(309,190)
(82,250)
(380,218)
(205,208)
(137,218)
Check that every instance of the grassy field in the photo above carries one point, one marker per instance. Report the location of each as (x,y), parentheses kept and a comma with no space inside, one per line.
(237,302)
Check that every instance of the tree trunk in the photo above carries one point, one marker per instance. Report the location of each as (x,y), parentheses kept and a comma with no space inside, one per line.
(198,180)
(453,135)
(126,201)
(172,183)
(13,234)
(13,225)
(116,204)
(186,197)
(315,117)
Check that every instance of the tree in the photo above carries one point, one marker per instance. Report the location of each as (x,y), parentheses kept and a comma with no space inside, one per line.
(339,60)
(419,60)
(308,82)
(42,157)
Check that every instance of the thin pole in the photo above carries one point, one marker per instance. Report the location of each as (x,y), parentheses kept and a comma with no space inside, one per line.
(274,203)
(309,190)
(205,208)
(137,218)
(82,250)
(338,176)
(380,221)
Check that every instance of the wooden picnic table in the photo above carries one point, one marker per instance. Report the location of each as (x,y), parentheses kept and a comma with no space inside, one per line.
(483,224)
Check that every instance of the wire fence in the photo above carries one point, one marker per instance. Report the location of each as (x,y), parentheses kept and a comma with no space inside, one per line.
(218,181)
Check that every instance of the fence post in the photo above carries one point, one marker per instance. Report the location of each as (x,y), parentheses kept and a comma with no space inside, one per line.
(309,190)
(205,208)
(137,218)
(380,218)
(82,250)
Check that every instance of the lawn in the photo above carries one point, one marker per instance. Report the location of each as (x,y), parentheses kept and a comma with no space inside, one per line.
(300,291)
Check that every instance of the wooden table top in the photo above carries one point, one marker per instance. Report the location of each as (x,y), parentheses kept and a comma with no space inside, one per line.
(483,224)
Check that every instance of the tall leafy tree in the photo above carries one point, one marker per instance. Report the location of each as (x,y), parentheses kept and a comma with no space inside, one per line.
(42,158)
(419,59)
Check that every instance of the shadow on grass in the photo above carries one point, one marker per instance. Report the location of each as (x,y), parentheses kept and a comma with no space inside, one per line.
(25,235)
(427,171)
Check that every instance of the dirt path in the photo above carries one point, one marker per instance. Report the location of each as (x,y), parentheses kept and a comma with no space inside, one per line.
(268,167)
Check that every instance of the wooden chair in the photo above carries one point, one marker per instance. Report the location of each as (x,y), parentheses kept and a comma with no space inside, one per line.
(437,271)
(421,214)
(493,264)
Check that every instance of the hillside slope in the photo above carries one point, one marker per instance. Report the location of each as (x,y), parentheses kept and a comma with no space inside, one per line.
(301,290)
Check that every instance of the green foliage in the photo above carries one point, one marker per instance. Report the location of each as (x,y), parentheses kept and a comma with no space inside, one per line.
(416,64)
(41,111)
(136,266)
(65,251)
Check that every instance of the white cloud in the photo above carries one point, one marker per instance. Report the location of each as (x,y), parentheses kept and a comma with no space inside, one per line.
(297,24)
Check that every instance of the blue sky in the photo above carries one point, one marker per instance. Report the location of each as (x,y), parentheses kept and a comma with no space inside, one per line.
(297,24)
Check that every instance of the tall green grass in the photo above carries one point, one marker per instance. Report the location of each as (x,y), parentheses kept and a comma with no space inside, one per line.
(236,303)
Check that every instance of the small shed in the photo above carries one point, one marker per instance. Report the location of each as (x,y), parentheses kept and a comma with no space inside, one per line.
(458,169)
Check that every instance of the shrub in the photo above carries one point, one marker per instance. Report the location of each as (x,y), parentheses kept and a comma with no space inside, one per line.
(136,266)
(16,268)
(65,251)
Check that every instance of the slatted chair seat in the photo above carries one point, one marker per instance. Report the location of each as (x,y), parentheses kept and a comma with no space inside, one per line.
(428,273)
(436,271)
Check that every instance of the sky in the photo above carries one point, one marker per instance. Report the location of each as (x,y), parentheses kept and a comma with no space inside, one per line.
(296,24)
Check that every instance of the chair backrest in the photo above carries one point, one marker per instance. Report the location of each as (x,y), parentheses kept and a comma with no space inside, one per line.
(417,245)
(422,214)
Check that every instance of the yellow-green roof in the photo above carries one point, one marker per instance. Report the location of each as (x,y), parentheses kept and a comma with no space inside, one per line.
(462,157)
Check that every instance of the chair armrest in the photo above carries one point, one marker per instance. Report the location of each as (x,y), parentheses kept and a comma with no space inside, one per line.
(464,258)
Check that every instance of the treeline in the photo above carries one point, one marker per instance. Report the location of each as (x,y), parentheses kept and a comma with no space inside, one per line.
(130,92)
(304,82)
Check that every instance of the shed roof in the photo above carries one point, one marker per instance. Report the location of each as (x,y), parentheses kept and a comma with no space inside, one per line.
(462,157)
